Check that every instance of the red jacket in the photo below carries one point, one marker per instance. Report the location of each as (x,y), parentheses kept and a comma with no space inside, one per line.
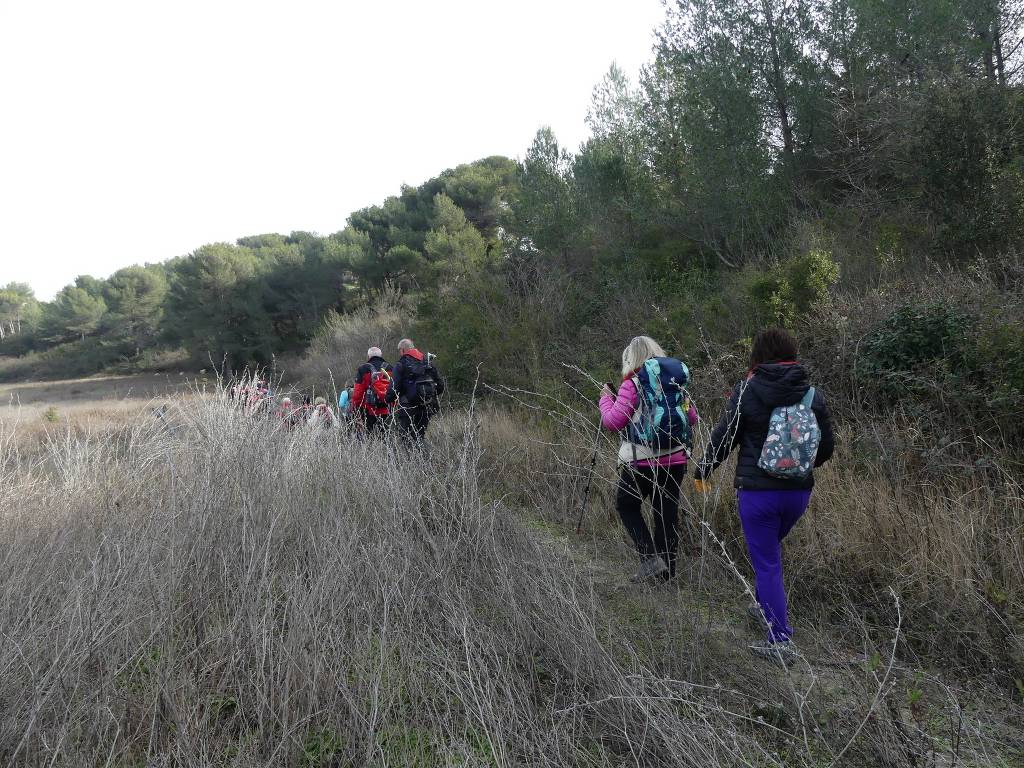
(363,376)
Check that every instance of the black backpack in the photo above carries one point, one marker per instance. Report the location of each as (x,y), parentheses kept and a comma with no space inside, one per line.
(421,387)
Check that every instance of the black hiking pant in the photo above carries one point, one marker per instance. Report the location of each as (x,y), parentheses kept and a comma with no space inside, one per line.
(413,422)
(662,486)
(373,425)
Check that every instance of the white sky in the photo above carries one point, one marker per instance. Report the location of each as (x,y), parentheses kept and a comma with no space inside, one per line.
(136,131)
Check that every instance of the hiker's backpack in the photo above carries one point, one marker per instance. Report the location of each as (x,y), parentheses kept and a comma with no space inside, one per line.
(421,385)
(792,442)
(661,421)
(377,390)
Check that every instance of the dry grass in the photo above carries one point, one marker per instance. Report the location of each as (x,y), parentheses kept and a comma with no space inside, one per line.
(189,595)
(952,543)
(210,591)
(143,386)
(96,403)
(931,545)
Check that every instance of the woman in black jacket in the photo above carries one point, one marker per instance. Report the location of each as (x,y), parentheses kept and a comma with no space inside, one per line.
(769,506)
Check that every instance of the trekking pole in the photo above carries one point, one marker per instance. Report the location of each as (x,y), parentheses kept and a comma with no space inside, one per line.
(590,477)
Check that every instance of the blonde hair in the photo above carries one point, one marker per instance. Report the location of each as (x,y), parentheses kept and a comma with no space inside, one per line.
(638,351)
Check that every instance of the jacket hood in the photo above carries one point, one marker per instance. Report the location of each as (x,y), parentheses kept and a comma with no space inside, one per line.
(377,361)
(414,353)
(776,384)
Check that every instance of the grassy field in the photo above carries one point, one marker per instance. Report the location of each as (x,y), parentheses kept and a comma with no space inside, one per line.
(90,403)
(207,589)
(143,386)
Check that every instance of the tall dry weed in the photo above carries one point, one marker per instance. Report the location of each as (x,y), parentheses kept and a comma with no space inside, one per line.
(216,591)
(202,587)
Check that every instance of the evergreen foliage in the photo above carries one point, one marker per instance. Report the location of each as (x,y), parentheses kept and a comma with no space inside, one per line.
(770,155)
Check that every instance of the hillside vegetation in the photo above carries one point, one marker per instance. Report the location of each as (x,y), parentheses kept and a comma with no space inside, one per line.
(771,155)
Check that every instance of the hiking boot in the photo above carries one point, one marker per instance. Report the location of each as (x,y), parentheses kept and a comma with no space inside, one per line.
(651,567)
(780,651)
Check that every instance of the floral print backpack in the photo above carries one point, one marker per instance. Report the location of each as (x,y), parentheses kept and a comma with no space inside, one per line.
(792,443)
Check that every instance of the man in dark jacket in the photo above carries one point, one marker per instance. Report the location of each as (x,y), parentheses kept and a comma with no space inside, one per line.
(769,505)
(370,393)
(416,385)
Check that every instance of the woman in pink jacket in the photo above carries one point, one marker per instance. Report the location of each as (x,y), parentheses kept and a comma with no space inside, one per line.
(646,472)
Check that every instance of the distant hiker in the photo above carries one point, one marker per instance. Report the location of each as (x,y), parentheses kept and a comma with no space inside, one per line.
(241,396)
(259,403)
(285,412)
(370,394)
(345,399)
(416,385)
(252,400)
(783,429)
(300,413)
(321,417)
(653,409)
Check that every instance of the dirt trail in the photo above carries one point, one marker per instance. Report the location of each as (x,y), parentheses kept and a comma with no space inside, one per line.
(697,630)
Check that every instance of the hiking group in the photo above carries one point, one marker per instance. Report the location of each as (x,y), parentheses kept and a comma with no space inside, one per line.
(782,428)
(779,423)
(380,397)
(406,394)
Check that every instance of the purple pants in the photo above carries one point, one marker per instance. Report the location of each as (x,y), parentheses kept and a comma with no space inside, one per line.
(767,516)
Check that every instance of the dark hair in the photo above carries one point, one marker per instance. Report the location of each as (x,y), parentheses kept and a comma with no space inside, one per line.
(772,345)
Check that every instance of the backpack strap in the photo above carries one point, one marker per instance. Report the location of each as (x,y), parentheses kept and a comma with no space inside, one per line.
(641,402)
(808,398)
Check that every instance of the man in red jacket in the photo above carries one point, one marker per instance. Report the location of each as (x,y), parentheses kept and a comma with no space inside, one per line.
(370,393)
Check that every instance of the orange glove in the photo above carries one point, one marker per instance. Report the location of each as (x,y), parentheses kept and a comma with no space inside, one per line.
(702,486)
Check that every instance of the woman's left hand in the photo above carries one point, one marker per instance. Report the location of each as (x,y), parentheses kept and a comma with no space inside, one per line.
(606,390)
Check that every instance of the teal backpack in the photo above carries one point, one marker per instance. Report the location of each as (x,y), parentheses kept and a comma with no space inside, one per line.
(663,419)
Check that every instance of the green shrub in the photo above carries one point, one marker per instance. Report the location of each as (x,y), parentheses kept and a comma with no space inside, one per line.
(995,359)
(794,287)
(772,296)
(811,277)
(51,414)
(916,344)
(65,361)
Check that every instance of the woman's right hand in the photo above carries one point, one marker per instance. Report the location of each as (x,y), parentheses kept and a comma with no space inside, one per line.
(607,390)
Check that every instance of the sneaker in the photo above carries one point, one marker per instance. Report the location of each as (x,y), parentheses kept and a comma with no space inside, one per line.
(780,651)
(651,567)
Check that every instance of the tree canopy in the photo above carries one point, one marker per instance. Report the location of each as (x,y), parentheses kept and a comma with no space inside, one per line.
(761,131)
